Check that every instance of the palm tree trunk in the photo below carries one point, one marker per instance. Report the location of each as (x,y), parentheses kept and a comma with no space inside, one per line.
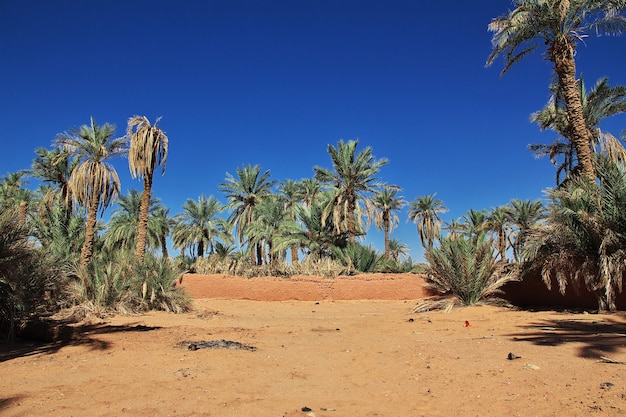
(142,227)
(21,212)
(386,228)
(294,255)
(163,240)
(580,135)
(351,223)
(90,230)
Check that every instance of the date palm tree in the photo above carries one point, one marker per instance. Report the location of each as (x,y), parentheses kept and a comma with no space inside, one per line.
(398,251)
(199,225)
(310,188)
(13,194)
(559,25)
(386,203)
(94,183)
(123,228)
(315,235)
(270,214)
(601,102)
(584,236)
(243,192)
(291,190)
(163,224)
(148,148)
(474,222)
(54,167)
(524,214)
(424,211)
(498,223)
(353,180)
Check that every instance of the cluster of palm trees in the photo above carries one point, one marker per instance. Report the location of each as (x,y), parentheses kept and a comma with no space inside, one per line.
(578,237)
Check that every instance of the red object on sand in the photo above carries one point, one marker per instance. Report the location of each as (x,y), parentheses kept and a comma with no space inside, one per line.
(468,324)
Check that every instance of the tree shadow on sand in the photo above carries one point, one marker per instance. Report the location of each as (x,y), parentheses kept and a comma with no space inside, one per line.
(50,339)
(596,337)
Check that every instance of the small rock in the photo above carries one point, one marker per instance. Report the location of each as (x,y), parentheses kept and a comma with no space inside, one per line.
(306,409)
(607,385)
(511,356)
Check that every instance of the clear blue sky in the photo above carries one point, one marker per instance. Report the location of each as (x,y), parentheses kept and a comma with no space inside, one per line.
(275,82)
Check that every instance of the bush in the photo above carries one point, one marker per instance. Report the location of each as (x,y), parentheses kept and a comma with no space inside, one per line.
(28,277)
(115,282)
(467,268)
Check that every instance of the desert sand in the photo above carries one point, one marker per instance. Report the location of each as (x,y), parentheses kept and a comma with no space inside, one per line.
(328,356)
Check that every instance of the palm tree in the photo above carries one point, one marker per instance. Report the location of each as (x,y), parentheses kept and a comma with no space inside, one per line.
(524,214)
(163,224)
(123,228)
(243,193)
(398,250)
(474,222)
(424,212)
(386,202)
(498,223)
(601,102)
(199,225)
(148,148)
(584,236)
(54,167)
(270,214)
(313,232)
(466,267)
(291,191)
(12,194)
(309,190)
(352,180)
(559,25)
(94,182)
(454,227)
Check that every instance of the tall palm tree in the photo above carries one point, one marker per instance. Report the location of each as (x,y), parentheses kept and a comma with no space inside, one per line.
(498,223)
(163,224)
(270,214)
(398,250)
(559,25)
(454,227)
(524,214)
(54,166)
(199,225)
(386,202)
(424,211)
(311,232)
(94,182)
(148,148)
(13,194)
(353,180)
(310,188)
(242,193)
(291,190)
(123,228)
(601,102)
(474,222)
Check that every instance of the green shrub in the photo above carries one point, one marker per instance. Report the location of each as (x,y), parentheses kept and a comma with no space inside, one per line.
(115,282)
(467,268)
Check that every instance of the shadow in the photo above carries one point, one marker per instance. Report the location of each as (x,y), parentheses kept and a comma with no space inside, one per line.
(597,337)
(51,338)
(9,402)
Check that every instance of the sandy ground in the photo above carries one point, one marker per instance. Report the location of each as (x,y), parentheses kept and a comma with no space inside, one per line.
(334,357)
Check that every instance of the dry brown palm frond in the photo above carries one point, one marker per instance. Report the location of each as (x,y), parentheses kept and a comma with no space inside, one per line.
(610,146)
(444,303)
